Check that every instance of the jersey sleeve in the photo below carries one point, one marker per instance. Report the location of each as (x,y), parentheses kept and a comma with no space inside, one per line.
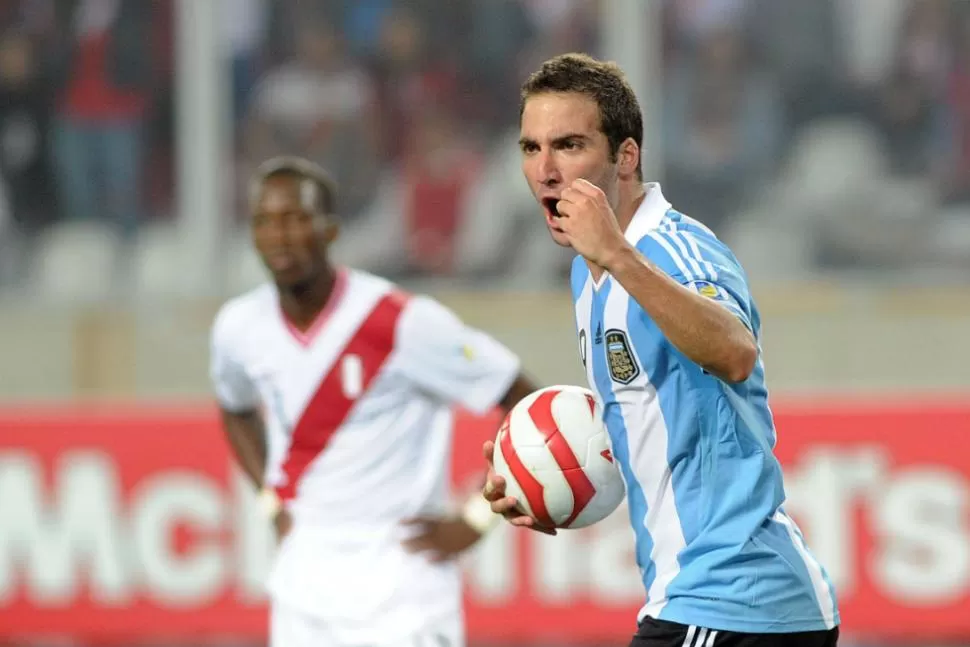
(701,262)
(452,361)
(234,389)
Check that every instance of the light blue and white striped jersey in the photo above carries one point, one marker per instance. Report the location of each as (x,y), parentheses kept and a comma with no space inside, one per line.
(704,489)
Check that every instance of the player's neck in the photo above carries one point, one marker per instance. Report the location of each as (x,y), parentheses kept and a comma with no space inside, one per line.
(631,197)
(302,303)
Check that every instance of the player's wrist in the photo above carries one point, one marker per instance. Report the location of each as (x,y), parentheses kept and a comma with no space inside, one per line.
(621,255)
(477,513)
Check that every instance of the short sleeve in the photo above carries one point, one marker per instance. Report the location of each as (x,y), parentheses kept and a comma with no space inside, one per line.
(452,361)
(233,387)
(702,263)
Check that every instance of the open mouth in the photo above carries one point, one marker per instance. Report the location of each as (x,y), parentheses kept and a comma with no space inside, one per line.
(550,206)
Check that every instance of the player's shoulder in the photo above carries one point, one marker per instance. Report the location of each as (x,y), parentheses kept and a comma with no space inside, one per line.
(423,314)
(419,313)
(361,282)
(684,246)
(244,311)
(364,287)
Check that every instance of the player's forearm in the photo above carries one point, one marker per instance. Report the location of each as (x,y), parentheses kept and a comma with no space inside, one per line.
(707,333)
(247,438)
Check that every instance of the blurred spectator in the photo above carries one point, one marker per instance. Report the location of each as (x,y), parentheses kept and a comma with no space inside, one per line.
(363,22)
(409,80)
(558,26)
(24,125)
(500,30)
(911,121)
(244,24)
(909,107)
(957,178)
(102,71)
(9,259)
(923,51)
(29,16)
(722,126)
(801,47)
(693,20)
(319,105)
(440,167)
(868,33)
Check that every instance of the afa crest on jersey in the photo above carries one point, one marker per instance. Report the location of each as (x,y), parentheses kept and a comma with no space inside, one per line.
(623,367)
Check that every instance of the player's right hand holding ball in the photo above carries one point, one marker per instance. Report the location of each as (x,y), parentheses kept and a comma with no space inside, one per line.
(507,506)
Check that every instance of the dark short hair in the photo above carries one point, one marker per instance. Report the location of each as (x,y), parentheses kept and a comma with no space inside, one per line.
(602,81)
(300,169)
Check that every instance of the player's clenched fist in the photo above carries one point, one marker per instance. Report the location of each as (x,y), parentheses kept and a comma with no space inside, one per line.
(588,221)
(507,506)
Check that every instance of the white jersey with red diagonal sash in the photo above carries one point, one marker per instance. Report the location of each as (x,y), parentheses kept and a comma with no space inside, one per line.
(357,413)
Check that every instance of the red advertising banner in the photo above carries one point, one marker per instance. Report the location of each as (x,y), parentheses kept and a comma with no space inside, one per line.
(131,523)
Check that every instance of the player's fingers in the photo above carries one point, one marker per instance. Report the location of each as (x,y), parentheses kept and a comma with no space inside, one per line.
(494,487)
(589,191)
(585,187)
(488,449)
(418,544)
(416,521)
(439,556)
(532,524)
(566,209)
(504,506)
(569,195)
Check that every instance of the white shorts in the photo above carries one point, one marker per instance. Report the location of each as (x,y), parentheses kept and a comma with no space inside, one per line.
(289,627)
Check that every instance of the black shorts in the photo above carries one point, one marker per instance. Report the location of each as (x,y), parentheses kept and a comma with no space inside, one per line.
(660,633)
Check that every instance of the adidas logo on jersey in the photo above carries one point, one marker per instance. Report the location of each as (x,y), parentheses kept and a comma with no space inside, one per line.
(598,338)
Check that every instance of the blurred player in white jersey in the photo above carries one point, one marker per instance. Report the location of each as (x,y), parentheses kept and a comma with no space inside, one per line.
(669,339)
(336,389)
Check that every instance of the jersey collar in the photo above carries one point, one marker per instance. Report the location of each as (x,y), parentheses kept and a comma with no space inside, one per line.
(649,214)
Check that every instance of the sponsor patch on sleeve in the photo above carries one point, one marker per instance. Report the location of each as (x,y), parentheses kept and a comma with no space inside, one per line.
(709,290)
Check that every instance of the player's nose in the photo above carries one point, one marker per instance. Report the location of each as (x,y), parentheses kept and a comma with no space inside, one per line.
(273,235)
(549,174)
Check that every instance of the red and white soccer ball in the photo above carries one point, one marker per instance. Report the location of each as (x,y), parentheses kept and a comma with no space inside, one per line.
(553,451)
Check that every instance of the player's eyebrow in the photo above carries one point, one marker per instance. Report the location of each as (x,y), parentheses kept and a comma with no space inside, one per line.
(558,141)
(562,139)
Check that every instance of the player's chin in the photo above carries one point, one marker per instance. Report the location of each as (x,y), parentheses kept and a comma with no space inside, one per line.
(559,236)
(289,277)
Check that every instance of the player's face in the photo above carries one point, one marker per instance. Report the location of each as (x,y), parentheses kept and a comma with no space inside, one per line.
(561,141)
(287,236)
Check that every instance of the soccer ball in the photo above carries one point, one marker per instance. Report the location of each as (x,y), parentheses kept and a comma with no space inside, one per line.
(553,451)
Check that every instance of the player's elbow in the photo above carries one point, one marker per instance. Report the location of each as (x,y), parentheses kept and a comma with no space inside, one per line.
(742,362)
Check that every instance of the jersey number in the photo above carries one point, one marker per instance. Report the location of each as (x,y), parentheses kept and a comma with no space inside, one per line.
(582,346)
(351,376)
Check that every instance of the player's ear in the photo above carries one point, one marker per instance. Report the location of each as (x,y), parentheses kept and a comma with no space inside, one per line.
(628,158)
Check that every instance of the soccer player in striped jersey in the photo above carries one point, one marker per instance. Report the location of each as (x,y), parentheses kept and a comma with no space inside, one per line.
(336,390)
(668,335)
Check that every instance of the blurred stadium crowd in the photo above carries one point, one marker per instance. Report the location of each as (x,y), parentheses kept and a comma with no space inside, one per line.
(838,130)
